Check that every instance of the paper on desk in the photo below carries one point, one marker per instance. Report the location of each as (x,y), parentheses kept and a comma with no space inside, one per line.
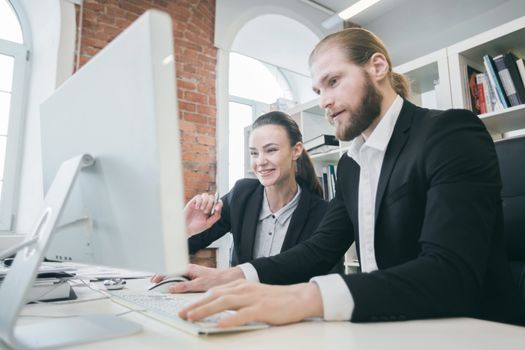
(93,272)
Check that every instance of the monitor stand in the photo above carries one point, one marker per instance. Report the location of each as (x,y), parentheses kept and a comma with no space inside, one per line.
(51,334)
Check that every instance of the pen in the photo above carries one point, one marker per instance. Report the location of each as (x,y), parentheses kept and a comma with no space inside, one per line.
(215,200)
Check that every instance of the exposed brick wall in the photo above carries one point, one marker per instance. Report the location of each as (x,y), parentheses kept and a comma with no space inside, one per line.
(196,58)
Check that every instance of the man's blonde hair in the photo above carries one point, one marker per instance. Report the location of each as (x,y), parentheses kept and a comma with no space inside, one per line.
(359,45)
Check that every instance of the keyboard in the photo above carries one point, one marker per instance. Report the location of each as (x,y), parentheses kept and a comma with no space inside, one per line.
(165,307)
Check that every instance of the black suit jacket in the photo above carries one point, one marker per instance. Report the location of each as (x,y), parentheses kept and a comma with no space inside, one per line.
(240,215)
(438,233)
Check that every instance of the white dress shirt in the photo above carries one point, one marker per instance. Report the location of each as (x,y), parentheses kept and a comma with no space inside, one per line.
(338,303)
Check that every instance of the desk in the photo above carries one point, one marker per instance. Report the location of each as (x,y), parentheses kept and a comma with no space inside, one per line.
(457,333)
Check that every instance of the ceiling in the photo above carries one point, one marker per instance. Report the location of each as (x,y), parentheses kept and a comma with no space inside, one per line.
(413,28)
(409,28)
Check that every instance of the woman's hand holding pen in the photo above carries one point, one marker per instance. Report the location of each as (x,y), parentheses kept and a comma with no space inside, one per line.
(201,212)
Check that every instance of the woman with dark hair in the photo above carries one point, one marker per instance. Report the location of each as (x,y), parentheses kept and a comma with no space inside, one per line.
(272,213)
(267,215)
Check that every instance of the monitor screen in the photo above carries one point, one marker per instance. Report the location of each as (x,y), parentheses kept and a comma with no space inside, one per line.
(121,108)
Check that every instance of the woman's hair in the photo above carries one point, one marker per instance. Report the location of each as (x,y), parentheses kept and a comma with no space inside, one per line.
(305,174)
(359,45)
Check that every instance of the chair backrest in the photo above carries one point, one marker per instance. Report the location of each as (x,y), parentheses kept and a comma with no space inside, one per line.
(511,156)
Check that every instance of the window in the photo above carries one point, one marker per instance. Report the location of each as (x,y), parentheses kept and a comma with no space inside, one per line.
(253,86)
(13,61)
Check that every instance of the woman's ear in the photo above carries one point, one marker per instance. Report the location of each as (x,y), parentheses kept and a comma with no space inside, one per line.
(297,150)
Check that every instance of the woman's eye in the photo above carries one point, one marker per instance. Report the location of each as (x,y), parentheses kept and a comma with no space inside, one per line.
(332,81)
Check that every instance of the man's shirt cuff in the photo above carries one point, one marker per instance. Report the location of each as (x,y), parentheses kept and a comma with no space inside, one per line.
(250,273)
(338,303)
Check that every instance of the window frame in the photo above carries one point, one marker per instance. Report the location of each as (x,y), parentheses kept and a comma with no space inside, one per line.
(15,130)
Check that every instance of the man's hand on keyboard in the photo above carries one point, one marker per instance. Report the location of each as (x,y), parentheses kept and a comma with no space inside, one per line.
(203,278)
(258,302)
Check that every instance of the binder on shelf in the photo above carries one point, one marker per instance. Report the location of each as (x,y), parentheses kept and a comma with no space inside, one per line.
(495,83)
(510,78)
(520,63)
(320,144)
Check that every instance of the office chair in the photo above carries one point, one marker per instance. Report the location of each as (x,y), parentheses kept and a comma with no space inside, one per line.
(511,156)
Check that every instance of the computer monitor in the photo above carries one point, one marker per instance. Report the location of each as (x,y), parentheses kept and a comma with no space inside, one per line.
(121,108)
(124,210)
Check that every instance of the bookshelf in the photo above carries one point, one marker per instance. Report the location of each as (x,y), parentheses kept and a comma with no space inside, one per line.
(312,123)
(504,38)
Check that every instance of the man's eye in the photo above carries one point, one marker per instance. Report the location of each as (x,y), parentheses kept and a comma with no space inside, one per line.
(253,154)
(332,81)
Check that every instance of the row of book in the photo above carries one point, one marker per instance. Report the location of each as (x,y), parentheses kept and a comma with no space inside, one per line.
(327,179)
(501,86)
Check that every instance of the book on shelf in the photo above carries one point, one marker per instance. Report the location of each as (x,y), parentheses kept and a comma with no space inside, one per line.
(320,144)
(482,102)
(495,83)
(489,97)
(473,102)
(328,180)
(510,78)
(520,63)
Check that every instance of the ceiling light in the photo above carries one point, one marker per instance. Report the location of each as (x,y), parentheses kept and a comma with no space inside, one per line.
(351,11)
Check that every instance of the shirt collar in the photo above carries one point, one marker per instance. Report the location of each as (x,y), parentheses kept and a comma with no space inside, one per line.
(282,214)
(381,134)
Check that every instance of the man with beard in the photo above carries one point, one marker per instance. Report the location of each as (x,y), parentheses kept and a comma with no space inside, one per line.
(419,192)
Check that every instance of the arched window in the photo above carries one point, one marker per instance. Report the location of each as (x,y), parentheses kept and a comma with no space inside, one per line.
(14,57)
(253,86)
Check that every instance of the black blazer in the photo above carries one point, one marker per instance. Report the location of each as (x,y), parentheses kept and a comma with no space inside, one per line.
(438,234)
(240,215)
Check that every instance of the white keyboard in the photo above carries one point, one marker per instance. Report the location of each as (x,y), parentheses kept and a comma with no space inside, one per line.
(165,307)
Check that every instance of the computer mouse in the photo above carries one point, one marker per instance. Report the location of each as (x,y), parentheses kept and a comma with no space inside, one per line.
(164,285)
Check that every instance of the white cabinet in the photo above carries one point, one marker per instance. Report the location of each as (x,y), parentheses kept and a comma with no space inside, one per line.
(429,80)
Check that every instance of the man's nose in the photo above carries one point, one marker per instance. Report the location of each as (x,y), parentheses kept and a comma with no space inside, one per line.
(325,101)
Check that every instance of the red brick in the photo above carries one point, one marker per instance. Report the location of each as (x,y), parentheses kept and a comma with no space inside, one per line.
(195,55)
(195,97)
(186,85)
(206,140)
(187,106)
(192,117)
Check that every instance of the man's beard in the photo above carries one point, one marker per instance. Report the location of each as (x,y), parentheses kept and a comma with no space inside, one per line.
(363,116)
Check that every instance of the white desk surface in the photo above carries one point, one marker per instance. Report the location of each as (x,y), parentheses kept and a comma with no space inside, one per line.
(457,333)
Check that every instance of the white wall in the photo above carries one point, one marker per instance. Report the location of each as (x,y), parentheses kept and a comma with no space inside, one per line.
(51,63)
(231,17)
